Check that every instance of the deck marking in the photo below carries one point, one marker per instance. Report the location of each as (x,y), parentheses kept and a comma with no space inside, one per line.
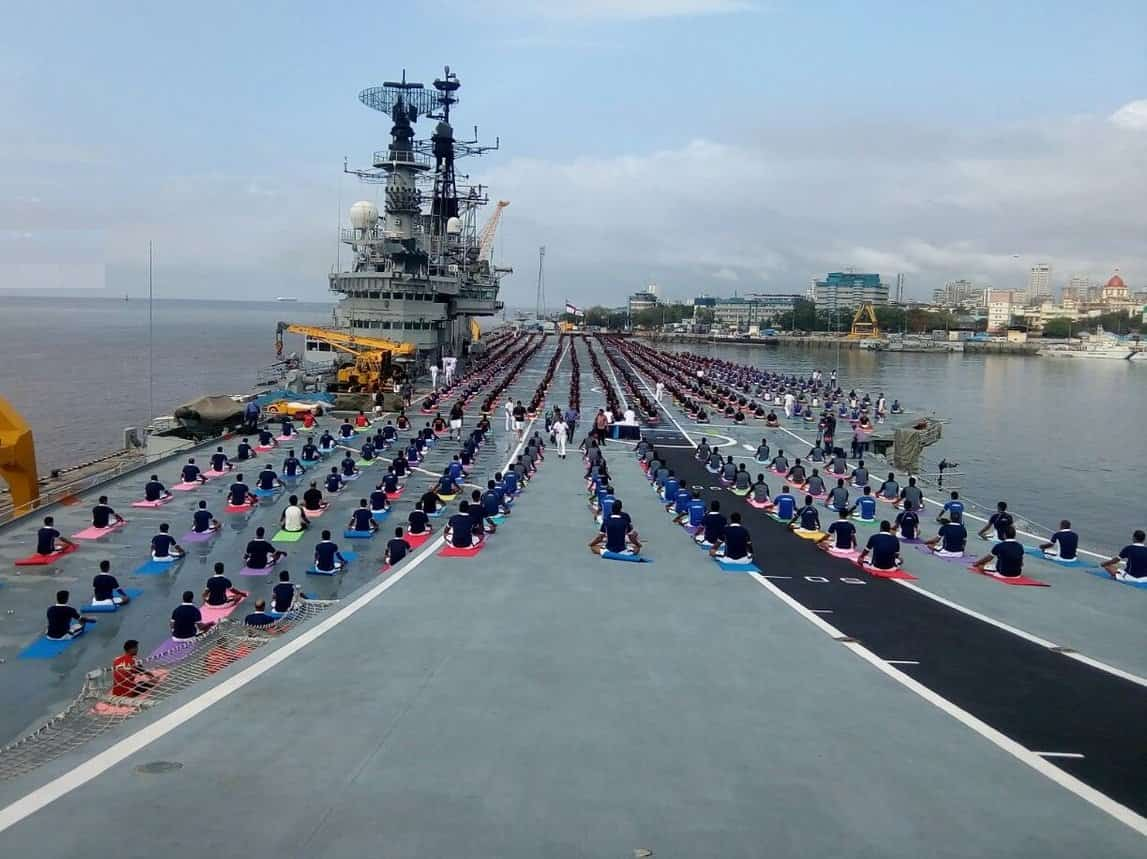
(776,577)
(1027,636)
(1058,754)
(901,661)
(1084,791)
(118,752)
(821,610)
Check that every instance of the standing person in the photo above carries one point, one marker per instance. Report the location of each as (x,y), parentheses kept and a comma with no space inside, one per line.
(456,416)
(508,410)
(434,376)
(251,416)
(519,419)
(571,422)
(600,423)
(560,430)
(659,390)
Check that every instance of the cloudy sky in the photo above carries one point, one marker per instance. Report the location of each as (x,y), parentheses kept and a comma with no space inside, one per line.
(706,145)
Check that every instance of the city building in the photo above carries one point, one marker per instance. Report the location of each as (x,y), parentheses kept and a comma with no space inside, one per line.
(1039,282)
(958,293)
(1115,291)
(1077,288)
(848,289)
(999,314)
(740,312)
(641,301)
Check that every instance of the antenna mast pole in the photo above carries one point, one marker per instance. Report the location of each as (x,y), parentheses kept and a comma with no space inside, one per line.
(541,298)
(150,337)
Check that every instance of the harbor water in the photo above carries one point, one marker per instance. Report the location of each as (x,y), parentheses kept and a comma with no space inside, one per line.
(1056,439)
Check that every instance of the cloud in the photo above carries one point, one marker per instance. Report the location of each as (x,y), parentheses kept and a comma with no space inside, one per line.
(622,9)
(778,209)
(1132,115)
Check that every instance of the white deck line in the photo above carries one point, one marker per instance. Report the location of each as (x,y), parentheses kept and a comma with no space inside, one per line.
(100,763)
(1032,759)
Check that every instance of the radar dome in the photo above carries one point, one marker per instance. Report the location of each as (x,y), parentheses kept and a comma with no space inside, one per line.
(454,226)
(363,215)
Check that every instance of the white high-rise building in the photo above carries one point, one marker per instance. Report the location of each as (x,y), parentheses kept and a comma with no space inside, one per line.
(1039,282)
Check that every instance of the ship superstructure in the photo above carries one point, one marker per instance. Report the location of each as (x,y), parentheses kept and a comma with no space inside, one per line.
(420,269)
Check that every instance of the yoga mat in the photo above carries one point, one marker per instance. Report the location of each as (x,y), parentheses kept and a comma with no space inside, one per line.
(446,498)
(286,437)
(145,503)
(887,574)
(133,593)
(266,493)
(437,514)
(394,496)
(960,559)
(315,514)
(211,472)
(618,556)
(734,567)
(379,515)
(777,518)
(1102,573)
(263,448)
(186,487)
(449,551)
(1036,552)
(760,505)
(216,613)
(808,535)
(251,571)
(497,519)
(94,533)
(288,536)
(155,568)
(347,556)
(44,560)
(1022,581)
(199,536)
(847,554)
(172,650)
(48,648)
(241,508)
(358,535)
(416,540)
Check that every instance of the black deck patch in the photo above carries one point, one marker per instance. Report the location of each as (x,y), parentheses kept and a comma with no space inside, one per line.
(1038,697)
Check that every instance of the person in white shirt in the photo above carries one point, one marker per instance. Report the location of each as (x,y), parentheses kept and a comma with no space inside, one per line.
(559,429)
(294,518)
(659,391)
(789,401)
(629,418)
(508,408)
(434,376)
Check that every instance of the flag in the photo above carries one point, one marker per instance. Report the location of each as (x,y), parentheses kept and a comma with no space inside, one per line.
(573,310)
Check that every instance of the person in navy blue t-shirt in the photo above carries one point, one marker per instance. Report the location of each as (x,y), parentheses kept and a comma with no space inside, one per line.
(186,619)
(396,548)
(48,539)
(283,594)
(260,554)
(712,526)
(191,473)
(1067,541)
(951,539)
(153,490)
(460,528)
(202,521)
(1007,557)
(327,555)
(842,533)
(735,543)
(883,549)
(807,518)
(418,522)
(1134,559)
(907,522)
(1001,520)
(164,547)
(103,516)
(268,479)
(361,520)
(616,533)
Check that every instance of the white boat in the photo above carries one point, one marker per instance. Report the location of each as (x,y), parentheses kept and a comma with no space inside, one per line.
(286,298)
(1094,351)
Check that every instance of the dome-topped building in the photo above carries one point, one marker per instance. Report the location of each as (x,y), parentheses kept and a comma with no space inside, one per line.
(1116,289)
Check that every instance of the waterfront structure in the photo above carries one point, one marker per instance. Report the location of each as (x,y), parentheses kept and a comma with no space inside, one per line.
(419,271)
(644,300)
(849,289)
(1039,282)
(741,312)
(999,314)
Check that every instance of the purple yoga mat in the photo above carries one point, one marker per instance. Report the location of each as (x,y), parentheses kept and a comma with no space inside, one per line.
(171,651)
(198,536)
(963,560)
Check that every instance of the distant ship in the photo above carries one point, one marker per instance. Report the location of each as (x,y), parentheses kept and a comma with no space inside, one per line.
(286,298)
(1102,346)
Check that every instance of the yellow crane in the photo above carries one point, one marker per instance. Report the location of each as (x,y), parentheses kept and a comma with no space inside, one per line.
(371,368)
(864,323)
(18,458)
(486,239)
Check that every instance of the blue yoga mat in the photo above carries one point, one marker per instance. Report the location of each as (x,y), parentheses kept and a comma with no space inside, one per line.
(266,493)
(1101,573)
(347,556)
(379,515)
(357,535)
(736,568)
(155,568)
(1036,552)
(635,559)
(48,648)
(134,593)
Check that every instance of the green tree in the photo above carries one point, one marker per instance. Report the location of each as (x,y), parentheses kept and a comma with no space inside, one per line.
(703,315)
(1058,328)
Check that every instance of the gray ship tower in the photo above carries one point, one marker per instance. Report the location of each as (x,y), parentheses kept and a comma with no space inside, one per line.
(420,270)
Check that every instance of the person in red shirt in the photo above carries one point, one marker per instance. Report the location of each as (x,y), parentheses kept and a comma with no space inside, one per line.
(128,679)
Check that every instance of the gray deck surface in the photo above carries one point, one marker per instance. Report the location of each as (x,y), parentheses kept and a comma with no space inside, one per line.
(536,700)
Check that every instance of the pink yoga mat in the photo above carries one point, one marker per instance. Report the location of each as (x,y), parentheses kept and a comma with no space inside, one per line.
(213,613)
(94,533)
(848,554)
(1022,581)
(887,574)
(158,503)
(186,487)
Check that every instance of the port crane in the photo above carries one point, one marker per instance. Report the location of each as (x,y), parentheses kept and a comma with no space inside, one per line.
(371,357)
(486,239)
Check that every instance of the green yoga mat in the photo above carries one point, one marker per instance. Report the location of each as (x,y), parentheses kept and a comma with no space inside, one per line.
(288,536)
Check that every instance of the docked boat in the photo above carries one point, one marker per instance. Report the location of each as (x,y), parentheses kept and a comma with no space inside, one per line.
(1101,347)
